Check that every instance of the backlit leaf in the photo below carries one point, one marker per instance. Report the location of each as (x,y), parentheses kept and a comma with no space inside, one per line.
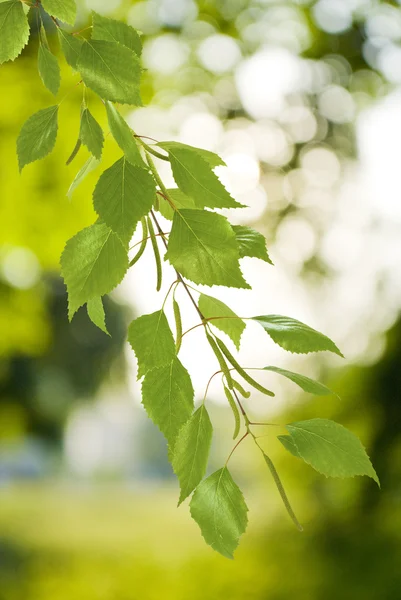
(38,136)
(152,341)
(94,262)
(89,166)
(294,336)
(191,451)
(219,508)
(168,397)
(14,30)
(124,136)
(49,69)
(71,46)
(123,195)
(203,248)
(111,70)
(96,313)
(179,199)
(331,449)
(233,326)
(91,134)
(251,243)
(65,10)
(306,383)
(111,30)
(194,176)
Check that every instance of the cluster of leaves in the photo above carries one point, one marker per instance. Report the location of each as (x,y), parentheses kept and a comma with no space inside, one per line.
(202,246)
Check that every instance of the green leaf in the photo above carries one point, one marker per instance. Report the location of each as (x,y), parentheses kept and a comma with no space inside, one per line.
(289,445)
(91,134)
(71,46)
(152,341)
(194,176)
(251,243)
(65,10)
(191,451)
(211,158)
(37,136)
(123,195)
(308,385)
(124,136)
(179,199)
(93,262)
(96,313)
(14,30)
(219,508)
(331,449)
(294,336)
(111,70)
(202,247)
(49,69)
(111,30)
(168,397)
(89,166)
(233,326)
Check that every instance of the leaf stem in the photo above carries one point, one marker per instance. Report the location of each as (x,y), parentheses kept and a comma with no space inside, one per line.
(236,446)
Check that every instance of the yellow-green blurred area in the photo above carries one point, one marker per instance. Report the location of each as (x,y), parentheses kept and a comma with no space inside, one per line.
(302,99)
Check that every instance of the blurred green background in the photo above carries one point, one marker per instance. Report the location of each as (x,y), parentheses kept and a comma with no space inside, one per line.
(302,100)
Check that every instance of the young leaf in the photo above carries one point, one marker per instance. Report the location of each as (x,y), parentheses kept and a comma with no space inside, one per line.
(202,247)
(111,30)
(191,451)
(14,30)
(93,262)
(65,10)
(71,46)
(289,445)
(168,397)
(49,69)
(219,508)
(235,410)
(331,449)
(37,136)
(123,195)
(96,313)
(179,199)
(294,336)
(233,326)
(91,134)
(194,176)
(251,243)
(305,383)
(124,136)
(89,166)
(111,70)
(152,341)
